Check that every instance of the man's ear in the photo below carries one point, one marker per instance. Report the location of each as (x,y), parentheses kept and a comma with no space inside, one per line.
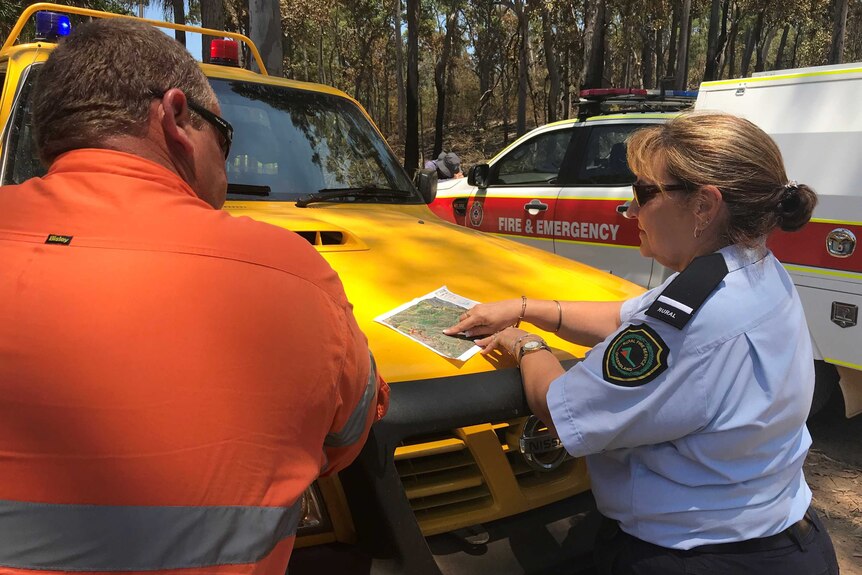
(176,123)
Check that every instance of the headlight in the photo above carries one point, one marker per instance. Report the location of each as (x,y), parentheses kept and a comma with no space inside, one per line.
(314,518)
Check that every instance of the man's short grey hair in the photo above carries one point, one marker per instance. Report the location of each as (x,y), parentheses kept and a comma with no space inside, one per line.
(99,82)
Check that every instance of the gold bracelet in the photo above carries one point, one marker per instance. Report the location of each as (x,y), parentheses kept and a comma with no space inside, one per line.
(559,316)
(523,311)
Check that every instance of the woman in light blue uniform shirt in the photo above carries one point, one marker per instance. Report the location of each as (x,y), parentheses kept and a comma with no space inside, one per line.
(691,406)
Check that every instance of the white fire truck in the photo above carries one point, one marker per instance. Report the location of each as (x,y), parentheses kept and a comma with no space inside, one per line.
(811,114)
(563,186)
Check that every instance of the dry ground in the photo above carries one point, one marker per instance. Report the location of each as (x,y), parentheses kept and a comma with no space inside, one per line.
(834,472)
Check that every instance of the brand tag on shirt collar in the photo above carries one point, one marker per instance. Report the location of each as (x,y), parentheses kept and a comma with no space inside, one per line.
(58,239)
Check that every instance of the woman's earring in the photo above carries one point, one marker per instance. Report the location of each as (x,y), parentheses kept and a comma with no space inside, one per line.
(698,231)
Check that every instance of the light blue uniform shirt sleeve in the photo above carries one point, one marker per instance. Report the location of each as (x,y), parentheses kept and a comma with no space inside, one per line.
(592,415)
(635,304)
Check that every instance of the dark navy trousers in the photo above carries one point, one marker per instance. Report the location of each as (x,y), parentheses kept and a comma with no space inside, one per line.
(789,553)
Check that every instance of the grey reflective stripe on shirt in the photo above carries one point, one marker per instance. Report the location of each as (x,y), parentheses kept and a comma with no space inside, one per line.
(352,430)
(137,538)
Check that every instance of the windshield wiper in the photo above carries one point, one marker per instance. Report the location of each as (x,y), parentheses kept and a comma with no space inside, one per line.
(364,192)
(248,190)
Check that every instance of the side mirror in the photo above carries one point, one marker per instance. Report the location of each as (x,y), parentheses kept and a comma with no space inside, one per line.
(426,182)
(478,176)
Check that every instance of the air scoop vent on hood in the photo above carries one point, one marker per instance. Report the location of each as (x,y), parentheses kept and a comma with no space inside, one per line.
(318,238)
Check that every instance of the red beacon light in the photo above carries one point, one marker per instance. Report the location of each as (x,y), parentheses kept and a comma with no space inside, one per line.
(224,52)
(594,100)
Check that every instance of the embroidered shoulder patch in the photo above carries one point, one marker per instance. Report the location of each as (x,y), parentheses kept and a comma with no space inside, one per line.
(635,357)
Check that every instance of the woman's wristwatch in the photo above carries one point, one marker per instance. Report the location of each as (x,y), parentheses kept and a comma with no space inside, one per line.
(531,346)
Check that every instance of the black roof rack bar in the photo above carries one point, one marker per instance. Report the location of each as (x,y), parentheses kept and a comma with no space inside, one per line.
(601,105)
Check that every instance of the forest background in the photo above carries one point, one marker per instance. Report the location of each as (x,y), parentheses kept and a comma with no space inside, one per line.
(471,75)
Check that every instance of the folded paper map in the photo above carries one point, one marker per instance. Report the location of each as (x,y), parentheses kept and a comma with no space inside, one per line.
(424,319)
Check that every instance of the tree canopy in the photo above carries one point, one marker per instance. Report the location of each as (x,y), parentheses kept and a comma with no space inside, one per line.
(515,64)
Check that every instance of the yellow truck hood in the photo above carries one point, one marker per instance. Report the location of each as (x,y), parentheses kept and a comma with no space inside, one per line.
(387,255)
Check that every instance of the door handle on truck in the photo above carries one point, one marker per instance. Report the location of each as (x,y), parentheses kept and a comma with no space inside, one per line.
(534,206)
(459,206)
(623,208)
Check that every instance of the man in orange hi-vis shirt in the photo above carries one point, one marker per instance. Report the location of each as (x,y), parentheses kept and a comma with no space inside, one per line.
(172,378)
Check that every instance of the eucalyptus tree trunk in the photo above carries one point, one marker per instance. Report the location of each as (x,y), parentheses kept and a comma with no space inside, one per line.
(682,51)
(440,80)
(212,16)
(594,47)
(487,52)
(673,42)
(521,11)
(752,42)
(647,57)
(659,57)
(747,50)
(399,67)
(411,137)
(264,22)
(839,28)
(178,7)
(321,70)
(724,33)
(712,48)
(782,45)
(553,64)
(565,91)
(506,81)
(794,52)
(730,58)
(763,50)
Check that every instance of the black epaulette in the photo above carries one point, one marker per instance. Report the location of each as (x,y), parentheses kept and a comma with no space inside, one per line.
(680,300)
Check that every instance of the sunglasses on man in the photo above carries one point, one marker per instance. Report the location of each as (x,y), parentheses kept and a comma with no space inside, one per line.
(221,125)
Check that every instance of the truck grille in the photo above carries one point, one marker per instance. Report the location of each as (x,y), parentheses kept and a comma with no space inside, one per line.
(477,474)
(441,477)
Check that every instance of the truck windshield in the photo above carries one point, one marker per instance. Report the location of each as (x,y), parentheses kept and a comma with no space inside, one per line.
(288,144)
(291,143)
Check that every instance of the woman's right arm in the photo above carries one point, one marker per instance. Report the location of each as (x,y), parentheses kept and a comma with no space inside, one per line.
(581,322)
(584,322)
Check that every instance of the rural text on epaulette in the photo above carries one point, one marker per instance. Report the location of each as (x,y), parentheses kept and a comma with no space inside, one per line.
(680,300)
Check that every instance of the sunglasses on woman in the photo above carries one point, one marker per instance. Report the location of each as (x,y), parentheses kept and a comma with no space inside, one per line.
(645,192)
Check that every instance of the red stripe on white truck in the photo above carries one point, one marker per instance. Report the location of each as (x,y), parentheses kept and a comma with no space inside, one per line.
(588,220)
(597,221)
(807,247)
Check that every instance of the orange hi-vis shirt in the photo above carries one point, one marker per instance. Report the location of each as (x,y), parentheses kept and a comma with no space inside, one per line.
(172,378)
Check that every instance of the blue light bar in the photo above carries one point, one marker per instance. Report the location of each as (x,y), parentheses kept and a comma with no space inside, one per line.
(682,93)
(50,25)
